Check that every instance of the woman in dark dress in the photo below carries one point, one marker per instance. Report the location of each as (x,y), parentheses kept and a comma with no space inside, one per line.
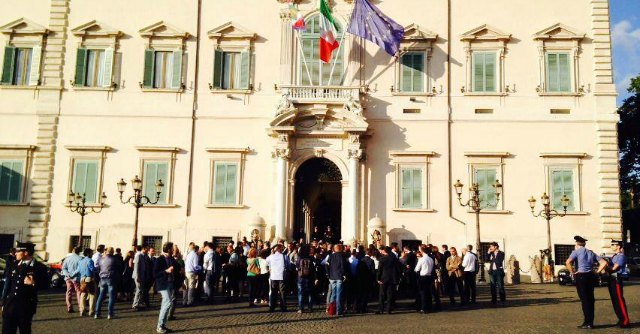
(127,281)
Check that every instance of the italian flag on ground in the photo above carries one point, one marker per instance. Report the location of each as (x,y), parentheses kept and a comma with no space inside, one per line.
(328,33)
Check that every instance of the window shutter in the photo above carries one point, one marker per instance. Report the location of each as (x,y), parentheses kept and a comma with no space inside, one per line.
(177,70)
(86,179)
(406,188)
(478,72)
(162,172)
(8,65)
(219,186)
(10,180)
(149,64)
(34,74)
(150,172)
(485,179)
(564,73)
(490,72)
(405,75)
(79,178)
(230,196)
(217,69)
(107,74)
(417,188)
(245,69)
(552,72)
(418,72)
(81,67)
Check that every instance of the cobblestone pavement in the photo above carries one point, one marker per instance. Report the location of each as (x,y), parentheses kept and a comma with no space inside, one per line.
(529,309)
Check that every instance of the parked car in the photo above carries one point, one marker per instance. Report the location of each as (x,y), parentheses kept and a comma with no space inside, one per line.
(633,266)
(565,278)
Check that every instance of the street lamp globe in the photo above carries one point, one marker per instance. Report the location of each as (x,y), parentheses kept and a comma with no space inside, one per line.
(136,183)
(545,199)
(103,197)
(498,187)
(159,186)
(458,187)
(564,201)
(78,198)
(121,185)
(532,203)
(71,197)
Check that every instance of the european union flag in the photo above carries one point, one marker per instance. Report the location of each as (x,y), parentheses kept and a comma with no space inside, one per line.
(371,24)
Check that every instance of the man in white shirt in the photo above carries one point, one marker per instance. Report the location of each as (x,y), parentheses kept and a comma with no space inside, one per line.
(470,265)
(209,269)
(277,263)
(424,269)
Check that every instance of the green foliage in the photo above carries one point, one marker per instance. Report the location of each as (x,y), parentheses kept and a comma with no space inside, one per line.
(629,141)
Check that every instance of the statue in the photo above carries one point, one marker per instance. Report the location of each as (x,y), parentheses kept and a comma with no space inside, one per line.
(255,235)
(376,237)
(536,269)
(353,106)
(285,104)
(512,275)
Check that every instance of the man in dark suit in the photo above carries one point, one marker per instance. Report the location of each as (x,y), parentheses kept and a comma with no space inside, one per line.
(388,277)
(26,278)
(495,258)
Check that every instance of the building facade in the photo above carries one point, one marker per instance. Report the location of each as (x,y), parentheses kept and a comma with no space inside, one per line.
(250,132)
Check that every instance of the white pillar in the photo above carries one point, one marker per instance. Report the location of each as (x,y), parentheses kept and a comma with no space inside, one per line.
(351,231)
(281,186)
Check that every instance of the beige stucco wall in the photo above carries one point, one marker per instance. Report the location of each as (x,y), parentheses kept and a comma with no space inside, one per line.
(126,118)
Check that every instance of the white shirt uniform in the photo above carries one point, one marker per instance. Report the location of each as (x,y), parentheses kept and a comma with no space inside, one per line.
(424,266)
(469,262)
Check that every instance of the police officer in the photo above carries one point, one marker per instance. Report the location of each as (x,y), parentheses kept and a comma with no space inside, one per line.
(580,264)
(615,268)
(26,277)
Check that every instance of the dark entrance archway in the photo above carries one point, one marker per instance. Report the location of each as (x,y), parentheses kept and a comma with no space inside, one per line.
(318,199)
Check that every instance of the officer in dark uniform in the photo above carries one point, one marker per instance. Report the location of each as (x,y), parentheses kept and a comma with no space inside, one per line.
(26,278)
(580,264)
(615,268)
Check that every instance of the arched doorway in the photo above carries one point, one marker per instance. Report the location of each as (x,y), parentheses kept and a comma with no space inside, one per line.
(318,198)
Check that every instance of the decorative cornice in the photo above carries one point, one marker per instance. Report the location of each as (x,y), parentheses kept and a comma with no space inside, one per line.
(487,154)
(88,148)
(227,150)
(231,30)
(413,32)
(157,149)
(492,34)
(563,155)
(18,147)
(163,29)
(96,28)
(23,26)
(411,153)
(558,31)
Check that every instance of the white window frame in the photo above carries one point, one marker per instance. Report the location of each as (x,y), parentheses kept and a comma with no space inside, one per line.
(24,153)
(496,75)
(79,153)
(572,72)
(485,39)
(214,171)
(488,160)
(559,38)
(412,160)
(565,161)
(474,179)
(227,155)
(425,65)
(160,154)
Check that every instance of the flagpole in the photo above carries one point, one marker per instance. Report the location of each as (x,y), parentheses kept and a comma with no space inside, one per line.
(344,31)
(304,59)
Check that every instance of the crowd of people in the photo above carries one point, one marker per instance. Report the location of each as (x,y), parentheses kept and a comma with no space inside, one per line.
(342,278)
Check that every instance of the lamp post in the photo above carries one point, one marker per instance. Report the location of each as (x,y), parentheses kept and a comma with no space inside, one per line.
(476,204)
(78,203)
(547,213)
(138,200)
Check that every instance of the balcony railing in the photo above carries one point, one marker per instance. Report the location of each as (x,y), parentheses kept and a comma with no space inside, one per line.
(320,94)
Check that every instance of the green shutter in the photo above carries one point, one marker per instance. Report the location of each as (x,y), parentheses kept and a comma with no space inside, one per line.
(11,180)
(81,67)
(418,72)
(149,64)
(478,72)
(564,73)
(154,171)
(36,60)
(232,172)
(416,185)
(490,72)
(176,82)
(245,69)
(217,69)
(562,184)
(407,63)
(8,65)
(552,72)
(220,183)
(85,179)
(107,74)
(485,179)
(411,190)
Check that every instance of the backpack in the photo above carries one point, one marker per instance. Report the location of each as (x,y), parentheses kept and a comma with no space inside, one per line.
(305,268)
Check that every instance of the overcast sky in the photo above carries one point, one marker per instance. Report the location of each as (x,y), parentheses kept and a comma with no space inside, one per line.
(625,34)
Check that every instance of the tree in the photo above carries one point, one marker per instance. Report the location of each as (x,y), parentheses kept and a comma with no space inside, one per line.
(629,142)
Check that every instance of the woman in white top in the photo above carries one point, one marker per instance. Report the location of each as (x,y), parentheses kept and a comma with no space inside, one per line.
(263,278)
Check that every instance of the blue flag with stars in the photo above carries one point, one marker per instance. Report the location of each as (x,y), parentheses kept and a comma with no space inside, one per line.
(371,24)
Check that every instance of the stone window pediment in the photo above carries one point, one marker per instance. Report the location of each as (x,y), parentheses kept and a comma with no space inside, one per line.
(485,32)
(231,31)
(558,31)
(23,26)
(487,45)
(164,65)
(413,66)
(232,63)
(96,32)
(163,30)
(96,56)
(22,60)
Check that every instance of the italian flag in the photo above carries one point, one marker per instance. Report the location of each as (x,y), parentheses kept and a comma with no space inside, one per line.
(328,33)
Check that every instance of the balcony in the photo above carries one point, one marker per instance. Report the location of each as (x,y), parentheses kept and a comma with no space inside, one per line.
(320,94)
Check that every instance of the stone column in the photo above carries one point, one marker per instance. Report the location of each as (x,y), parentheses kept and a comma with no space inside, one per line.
(281,153)
(286,47)
(350,230)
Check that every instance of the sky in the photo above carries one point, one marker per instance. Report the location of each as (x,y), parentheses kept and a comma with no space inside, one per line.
(625,37)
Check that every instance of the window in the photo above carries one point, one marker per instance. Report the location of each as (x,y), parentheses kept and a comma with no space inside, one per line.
(231,70)
(412,72)
(485,178)
(221,241)
(558,72)
(484,248)
(309,59)
(6,243)
(411,188)
(562,253)
(73,242)
(11,180)
(484,71)
(163,69)
(20,67)
(562,184)
(86,178)
(94,67)
(154,241)
(225,183)
(154,171)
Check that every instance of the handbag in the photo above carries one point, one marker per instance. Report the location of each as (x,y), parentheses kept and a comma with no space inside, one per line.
(253,267)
